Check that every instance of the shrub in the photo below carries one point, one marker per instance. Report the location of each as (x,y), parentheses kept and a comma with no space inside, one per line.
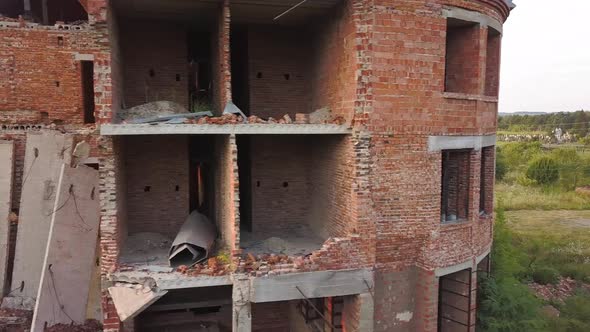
(545,275)
(517,154)
(501,167)
(576,271)
(544,170)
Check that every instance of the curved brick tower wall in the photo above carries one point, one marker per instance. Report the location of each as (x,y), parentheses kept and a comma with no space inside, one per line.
(431,70)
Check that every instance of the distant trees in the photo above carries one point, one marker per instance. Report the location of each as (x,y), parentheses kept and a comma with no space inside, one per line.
(575,122)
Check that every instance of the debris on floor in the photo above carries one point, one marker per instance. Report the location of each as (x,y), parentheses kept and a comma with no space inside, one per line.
(214,266)
(150,110)
(91,325)
(15,320)
(559,292)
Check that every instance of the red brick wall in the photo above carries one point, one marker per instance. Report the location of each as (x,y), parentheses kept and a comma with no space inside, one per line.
(33,64)
(220,59)
(270,316)
(160,163)
(279,160)
(153,53)
(493,63)
(462,59)
(334,64)
(282,57)
(331,182)
(318,174)
(227,191)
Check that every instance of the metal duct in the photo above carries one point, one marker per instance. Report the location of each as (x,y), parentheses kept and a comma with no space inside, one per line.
(194,241)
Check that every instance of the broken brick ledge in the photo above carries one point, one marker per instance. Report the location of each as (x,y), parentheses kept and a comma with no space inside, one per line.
(253,128)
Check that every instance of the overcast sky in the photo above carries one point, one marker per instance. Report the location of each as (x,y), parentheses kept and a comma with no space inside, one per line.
(546,57)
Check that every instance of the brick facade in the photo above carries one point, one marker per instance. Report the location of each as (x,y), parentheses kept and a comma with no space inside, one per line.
(397,74)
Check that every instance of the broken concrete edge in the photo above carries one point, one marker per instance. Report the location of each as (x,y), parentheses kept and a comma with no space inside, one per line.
(439,143)
(7,167)
(227,129)
(130,301)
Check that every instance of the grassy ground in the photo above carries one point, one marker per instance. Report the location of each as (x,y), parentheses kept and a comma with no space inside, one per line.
(519,197)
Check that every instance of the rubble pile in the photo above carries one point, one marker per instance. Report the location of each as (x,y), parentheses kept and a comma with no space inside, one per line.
(565,288)
(10,19)
(213,266)
(91,325)
(300,118)
(15,320)
(271,264)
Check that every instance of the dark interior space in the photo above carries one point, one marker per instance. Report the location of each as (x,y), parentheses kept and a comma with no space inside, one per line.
(50,12)
(88,90)
(239,68)
(201,191)
(192,309)
(168,52)
(11,8)
(455,185)
(454,302)
(199,64)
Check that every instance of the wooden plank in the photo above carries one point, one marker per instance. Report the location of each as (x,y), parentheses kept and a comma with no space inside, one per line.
(312,284)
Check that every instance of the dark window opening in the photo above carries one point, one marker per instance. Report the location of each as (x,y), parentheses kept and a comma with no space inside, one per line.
(200,77)
(454,302)
(239,68)
(11,8)
(462,57)
(455,185)
(486,181)
(492,82)
(50,12)
(88,91)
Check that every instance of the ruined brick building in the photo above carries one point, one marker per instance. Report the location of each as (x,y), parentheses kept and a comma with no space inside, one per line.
(347,161)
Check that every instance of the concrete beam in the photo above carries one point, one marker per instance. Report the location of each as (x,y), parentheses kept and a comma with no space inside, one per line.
(242,307)
(45,153)
(471,16)
(468,264)
(312,284)
(439,143)
(6,178)
(237,129)
(71,250)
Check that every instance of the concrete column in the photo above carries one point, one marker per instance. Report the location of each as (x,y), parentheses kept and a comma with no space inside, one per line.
(366,315)
(27,8)
(45,12)
(242,308)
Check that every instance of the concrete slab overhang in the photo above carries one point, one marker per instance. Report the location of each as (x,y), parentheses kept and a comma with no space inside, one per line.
(169,280)
(130,302)
(204,129)
(295,286)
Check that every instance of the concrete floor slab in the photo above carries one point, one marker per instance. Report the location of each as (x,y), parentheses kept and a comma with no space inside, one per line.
(71,250)
(130,302)
(6,178)
(45,153)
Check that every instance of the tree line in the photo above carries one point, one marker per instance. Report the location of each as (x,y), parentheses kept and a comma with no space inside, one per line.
(577,123)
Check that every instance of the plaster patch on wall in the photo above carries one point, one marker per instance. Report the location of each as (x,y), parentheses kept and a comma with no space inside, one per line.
(405,316)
